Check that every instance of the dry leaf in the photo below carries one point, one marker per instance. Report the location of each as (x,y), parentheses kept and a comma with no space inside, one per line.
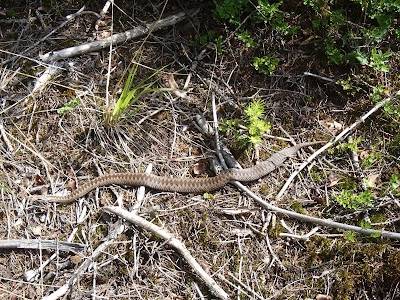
(76,259)
(39,180)
(172,82)
(174,85)
(71,186)
(334,126)
(371,180)
(323,297)
(199,169)
(364,154)
(241,232)
(330,182)
(37,230)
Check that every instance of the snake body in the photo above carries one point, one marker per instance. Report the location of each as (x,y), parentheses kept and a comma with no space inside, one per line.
(183,185)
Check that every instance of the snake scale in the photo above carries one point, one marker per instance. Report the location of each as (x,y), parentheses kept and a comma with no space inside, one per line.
(182,185)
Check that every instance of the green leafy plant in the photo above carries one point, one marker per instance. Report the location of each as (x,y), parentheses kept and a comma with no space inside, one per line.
(345,43)
(348,86)
(131,93)
(377,59)
(218,44)
(352,146)
(371,158)
(352,201)
(68,106)
(266,64)
(245,37)
(231,10)
(350,236)
(254,122)
(394,182)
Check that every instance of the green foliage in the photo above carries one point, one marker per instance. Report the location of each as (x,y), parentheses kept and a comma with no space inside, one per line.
(348,86)
(350,236)
(266,64)
(347,43)
(256,124)
(209,36)
(218,44)
(349,200)
(245,37)
(68,106)
(203,39)
(377,59)
(371,158)
(131,93)
(6,189)
(352,146)
(394,182)
(254,121)
(231,10)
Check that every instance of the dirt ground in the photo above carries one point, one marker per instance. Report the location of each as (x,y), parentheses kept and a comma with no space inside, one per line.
(55,137)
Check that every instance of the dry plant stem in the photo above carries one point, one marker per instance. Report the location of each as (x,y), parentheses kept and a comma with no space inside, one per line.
(141,192)
(41,244)
(333,141)
(173,242)
(304,237)
(3,133)
(115,39)
(51,71)
(323,222)
(276,258)
(319,76)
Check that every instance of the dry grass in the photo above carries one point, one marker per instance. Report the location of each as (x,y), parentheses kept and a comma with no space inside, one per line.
(57,150)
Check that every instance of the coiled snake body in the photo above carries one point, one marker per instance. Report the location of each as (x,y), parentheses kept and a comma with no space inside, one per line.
(182,185)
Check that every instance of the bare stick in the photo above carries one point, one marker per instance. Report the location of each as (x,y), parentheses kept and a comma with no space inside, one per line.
(337,138)
(41,244)
(323,222)
(5,138)
(318,76)
(141,193)
(114,39)
(173,242)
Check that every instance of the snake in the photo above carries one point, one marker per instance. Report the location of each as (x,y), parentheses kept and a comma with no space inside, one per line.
(182,185)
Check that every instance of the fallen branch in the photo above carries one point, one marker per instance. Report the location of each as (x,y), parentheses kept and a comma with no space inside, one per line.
(41,245)
(115,39)
(174,243)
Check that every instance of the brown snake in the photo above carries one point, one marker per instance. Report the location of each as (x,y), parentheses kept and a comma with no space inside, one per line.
(182,185)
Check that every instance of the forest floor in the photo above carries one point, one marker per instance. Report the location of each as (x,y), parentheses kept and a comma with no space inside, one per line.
(56,134)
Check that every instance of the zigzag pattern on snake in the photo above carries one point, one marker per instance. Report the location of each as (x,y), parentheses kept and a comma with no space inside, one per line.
(182,185)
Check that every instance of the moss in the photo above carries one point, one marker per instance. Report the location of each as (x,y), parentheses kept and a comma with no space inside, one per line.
(318,177)
(348,183)
(298,207)
(320,251)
